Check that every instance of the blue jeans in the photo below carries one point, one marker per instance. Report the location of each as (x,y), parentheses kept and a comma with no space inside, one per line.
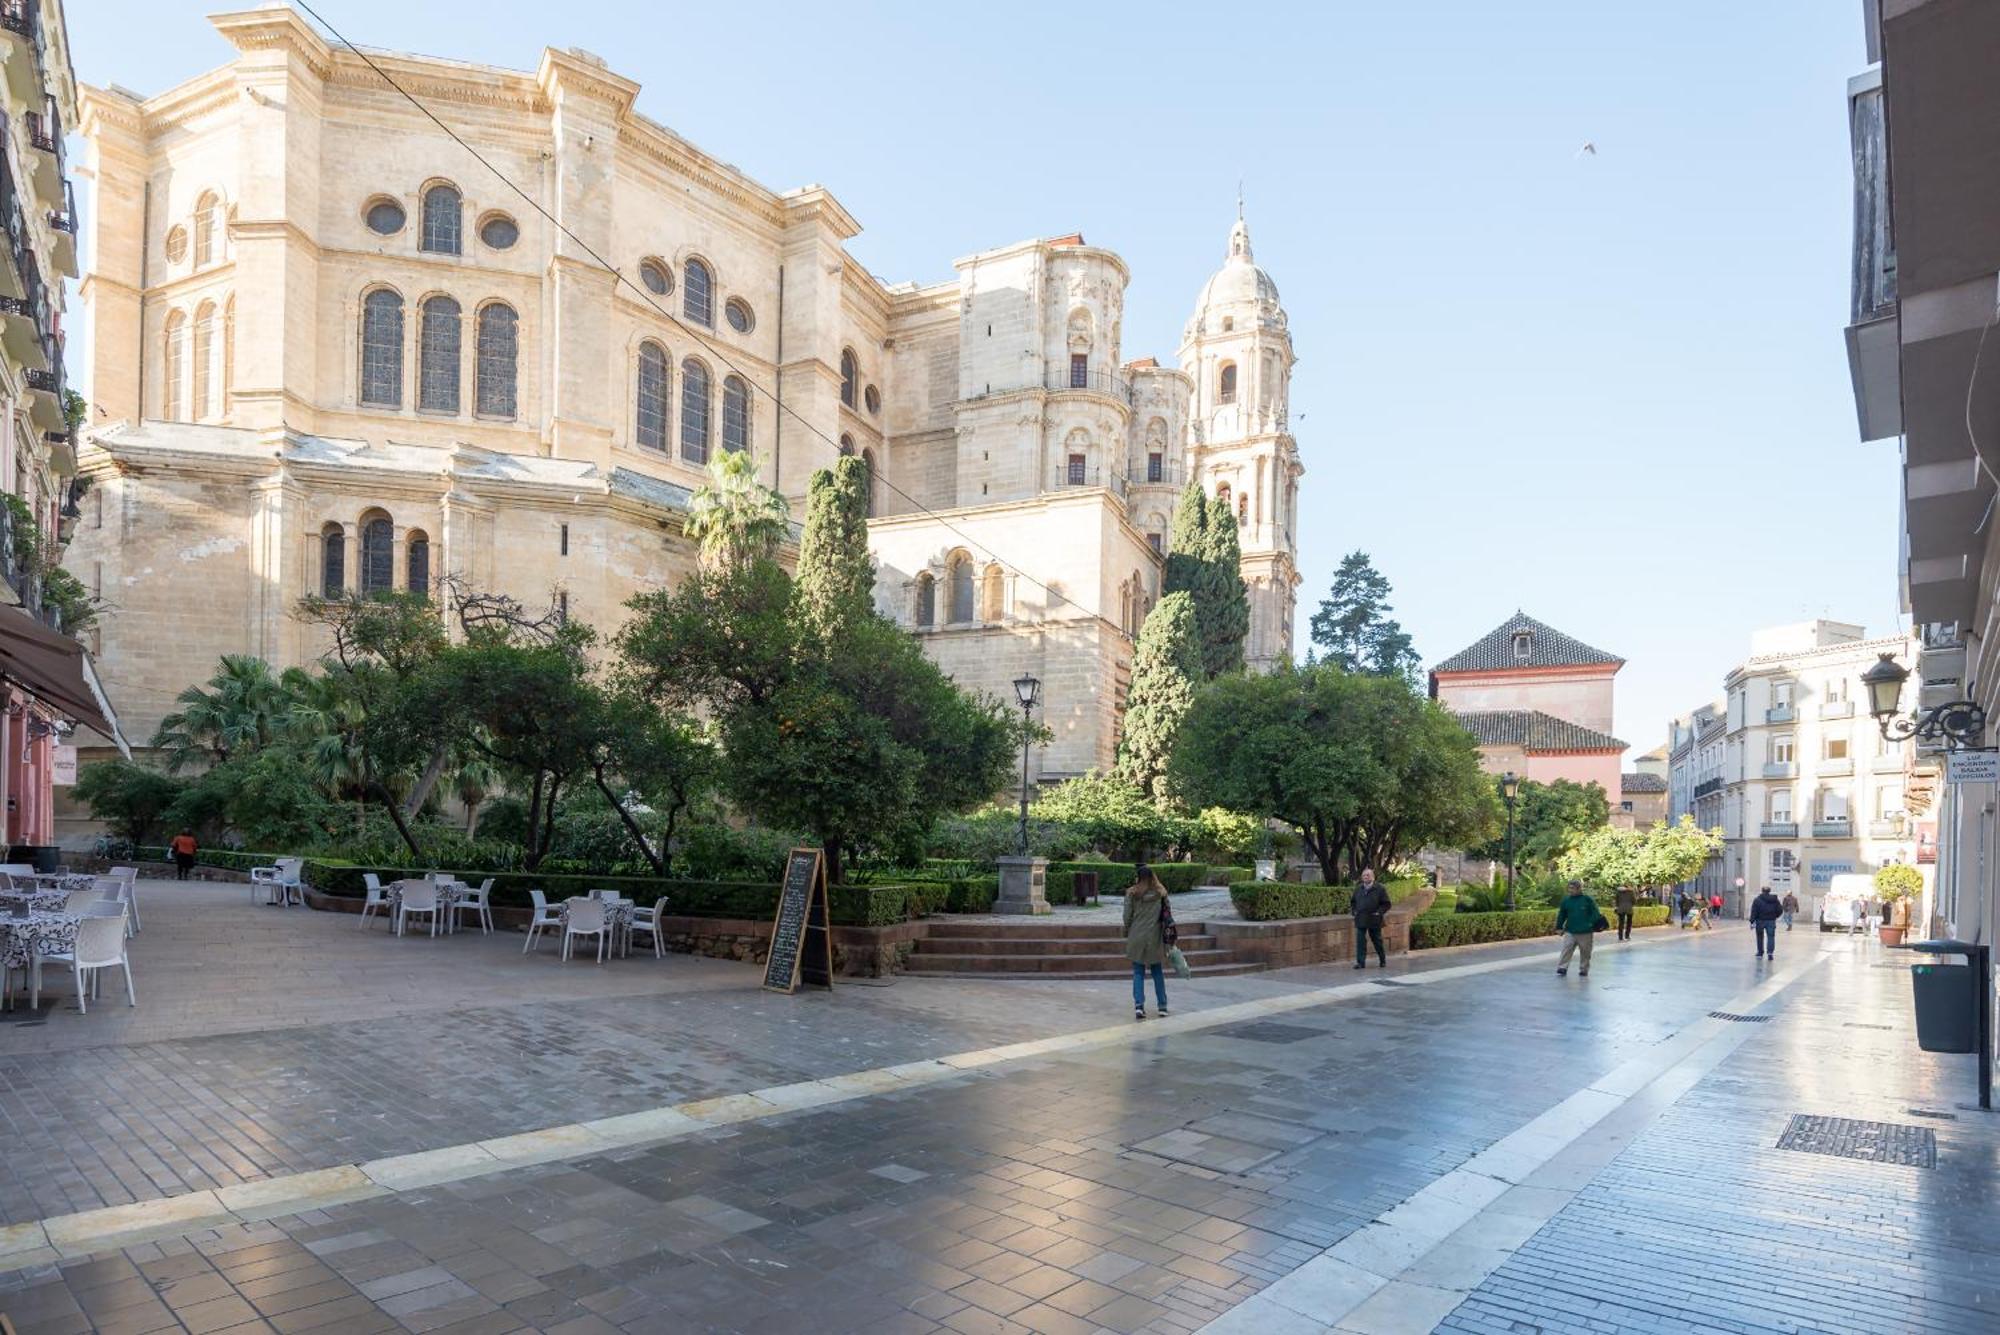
(1139,986)
(1767,937)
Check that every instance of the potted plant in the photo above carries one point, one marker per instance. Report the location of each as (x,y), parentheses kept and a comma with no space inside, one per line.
(1897,884)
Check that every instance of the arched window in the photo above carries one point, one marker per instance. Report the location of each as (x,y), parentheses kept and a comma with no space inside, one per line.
(697,293)
(437,356)
(850,376)
(926,600)
(694,412)
(204,230)
(846,444)
(173,368)
(382,349)
(378,554)
(499,337)
(417,563)
(653,390)
(992,594)
(228,355)
(735,415)
(444,221)
(1243,508)
(332,560)
(868,492)
(961,588)
(1138,612)
(204,361)
(1225,390)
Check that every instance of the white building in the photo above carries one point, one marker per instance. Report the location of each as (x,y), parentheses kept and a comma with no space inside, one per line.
(1793,769)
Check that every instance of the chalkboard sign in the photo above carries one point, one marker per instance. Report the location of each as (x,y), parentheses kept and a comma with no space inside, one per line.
(801,938)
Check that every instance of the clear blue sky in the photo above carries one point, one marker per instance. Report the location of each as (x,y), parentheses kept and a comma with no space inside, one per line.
(1608,390)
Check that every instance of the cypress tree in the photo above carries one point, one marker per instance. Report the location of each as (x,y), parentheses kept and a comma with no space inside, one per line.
(1187,543)
(1222,603)
(836,576)
(1166,668)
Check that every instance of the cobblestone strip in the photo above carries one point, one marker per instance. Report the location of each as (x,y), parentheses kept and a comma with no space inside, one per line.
(65,1237)
(1411,1266)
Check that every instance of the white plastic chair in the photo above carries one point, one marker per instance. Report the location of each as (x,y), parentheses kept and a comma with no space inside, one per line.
(586,918)
(115,890)
(648,921)
(79,900)
(100,944)
(476,903)
(419,897)
(378,898)
(540,916)
(129,875)
(280,881)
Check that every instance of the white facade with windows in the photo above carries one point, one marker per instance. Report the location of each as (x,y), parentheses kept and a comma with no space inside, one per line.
(1801,779)
(331,350)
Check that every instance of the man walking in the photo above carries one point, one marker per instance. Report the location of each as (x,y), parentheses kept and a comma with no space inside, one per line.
(1371,906)
(1791,903)
(1765,910)
(1623,902)
(1577,919)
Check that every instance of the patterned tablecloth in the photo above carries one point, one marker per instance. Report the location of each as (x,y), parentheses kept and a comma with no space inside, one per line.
(448,896)
(617,916)
(44,934)
(41,901)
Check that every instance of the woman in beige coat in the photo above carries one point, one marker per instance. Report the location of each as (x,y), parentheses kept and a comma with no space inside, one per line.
(1146,941)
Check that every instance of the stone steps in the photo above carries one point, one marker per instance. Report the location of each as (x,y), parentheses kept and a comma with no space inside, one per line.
(1032,928)
(1190,942)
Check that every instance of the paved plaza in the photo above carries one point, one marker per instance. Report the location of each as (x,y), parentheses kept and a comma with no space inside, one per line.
(307,1125)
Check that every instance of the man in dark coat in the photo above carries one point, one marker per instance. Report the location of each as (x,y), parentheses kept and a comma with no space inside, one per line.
(1765,910)
(1371,906)
(1623,903)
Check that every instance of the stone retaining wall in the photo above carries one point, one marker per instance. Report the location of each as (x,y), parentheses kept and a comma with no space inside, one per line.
(1294,941)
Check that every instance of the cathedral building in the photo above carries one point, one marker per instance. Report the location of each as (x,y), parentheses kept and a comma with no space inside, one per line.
(331,350)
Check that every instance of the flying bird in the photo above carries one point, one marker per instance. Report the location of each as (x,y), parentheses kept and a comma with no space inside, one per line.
(1589,148)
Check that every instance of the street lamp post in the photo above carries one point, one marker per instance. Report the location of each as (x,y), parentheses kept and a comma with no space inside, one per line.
(1027,688)
(1510,788)
(1960,725)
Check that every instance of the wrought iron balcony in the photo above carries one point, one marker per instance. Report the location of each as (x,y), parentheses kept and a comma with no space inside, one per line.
(1090,380)
(1781,769)
(1833,829)
(1779,829)
(24,55)
(1707,786)
(41,132)
(1780,714)
(1077,475)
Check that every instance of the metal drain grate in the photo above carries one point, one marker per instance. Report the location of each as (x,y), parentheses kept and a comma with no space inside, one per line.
(1739,1019)
(1389,982)
(1931,1112)
(1874,1142)
(1269,1031)
(1853,1025)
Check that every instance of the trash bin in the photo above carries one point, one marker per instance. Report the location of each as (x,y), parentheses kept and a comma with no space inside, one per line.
(1083,886)
(44,858)
(1947,1000)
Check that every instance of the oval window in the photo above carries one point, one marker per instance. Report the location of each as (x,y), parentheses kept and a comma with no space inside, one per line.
(873,398)
(654,275)
(738,314)
(177,243)
(499,232)
(385,217)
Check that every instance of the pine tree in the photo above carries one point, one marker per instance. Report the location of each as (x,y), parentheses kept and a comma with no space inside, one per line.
(1166,668)
(836,576)
(1223,607)
(1354,627)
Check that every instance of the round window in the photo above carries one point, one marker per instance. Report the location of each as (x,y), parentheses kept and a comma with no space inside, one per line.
(738,313)
(654,275)
(499,232)
(873,398)
(177,243)
(385,217)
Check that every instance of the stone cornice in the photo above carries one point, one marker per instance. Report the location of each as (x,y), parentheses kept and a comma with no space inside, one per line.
(99,109)
(661,146)
(276,28)
(816,204)
(566,71)
(430,79)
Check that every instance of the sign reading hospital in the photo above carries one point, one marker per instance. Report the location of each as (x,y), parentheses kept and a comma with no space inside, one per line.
(1972,767)
(1824,872)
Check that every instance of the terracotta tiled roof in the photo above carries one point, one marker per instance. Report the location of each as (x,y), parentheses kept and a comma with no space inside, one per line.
(1642,783)
(1532,730)
(1073,239)
(1547,647)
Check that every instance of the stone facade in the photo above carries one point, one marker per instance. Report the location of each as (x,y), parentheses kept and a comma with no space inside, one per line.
(329,348)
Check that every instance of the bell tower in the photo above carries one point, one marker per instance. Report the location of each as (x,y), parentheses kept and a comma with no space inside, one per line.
(1237,351)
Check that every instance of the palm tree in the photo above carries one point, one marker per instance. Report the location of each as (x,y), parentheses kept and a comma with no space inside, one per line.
(242,709)
(474,783)
(733,515)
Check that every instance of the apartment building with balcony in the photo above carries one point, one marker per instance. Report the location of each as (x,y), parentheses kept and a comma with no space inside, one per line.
(46,677)
(1792,768)
(1924,119)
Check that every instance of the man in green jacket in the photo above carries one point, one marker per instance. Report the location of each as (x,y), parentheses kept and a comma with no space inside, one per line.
(1576,919)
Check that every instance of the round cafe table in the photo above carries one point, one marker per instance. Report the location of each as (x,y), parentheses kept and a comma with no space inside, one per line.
(41,901)
(617,920)
(449,893)
(28,938)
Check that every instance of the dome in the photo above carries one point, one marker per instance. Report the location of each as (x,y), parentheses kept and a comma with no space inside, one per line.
(1239,279)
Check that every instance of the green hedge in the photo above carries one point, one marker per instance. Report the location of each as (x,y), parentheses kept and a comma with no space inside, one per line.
(1274,901)
(1433,929)
(1446,901)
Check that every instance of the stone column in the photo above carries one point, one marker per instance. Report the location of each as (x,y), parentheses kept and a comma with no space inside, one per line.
(1023,886)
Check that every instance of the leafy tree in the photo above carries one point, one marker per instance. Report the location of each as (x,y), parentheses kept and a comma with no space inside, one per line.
(836,576)
(1116,816)
(1644,859)
(1897,881)
(1353,625)
(1221,835)
(733,516)
(1166,668)
(131,799)
(1362,766)
(1548,819)
(243,708)
(1204,560)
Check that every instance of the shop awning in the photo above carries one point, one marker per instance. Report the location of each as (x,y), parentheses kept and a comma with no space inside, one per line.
(57,671)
